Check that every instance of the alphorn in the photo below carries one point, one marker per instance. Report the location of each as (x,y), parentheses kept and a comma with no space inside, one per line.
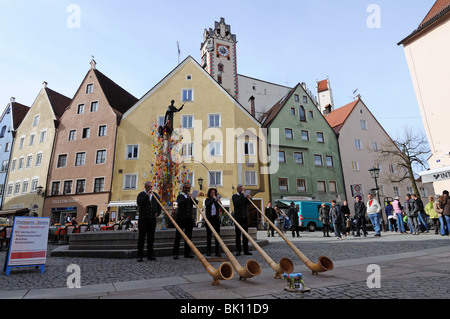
(225,270)
(252,268)
(324,263)
(285,265)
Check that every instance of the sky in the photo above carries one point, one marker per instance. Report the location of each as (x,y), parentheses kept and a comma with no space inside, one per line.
(353,42)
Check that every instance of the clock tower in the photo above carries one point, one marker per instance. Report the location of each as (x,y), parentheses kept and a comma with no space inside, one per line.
(218,56)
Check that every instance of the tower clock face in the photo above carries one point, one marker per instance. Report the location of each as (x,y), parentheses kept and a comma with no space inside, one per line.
(223,50)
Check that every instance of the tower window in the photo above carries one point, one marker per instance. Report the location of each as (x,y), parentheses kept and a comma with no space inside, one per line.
(220,67)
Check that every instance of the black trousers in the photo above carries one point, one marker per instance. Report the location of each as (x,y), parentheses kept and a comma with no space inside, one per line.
(361,223)
(244,224)
(215,222)
(146,229)
(295,229)
(186,226)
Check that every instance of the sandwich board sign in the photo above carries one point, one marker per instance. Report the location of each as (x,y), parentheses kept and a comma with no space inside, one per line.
(28,243)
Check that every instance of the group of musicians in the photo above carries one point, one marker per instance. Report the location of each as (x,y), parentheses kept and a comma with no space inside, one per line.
(149,209)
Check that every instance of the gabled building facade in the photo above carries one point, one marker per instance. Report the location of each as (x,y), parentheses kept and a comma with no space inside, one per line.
(220,143)
(32,151)
(11,118)
(360,138)
(307,151)
(80,173)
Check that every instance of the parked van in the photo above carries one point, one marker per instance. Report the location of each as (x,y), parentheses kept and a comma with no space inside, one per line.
(309,215)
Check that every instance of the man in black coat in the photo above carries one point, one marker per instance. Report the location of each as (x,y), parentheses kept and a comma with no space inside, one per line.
(293,217)
(240,202)
(185,220)
(271,215)
(149,209)
(360,216)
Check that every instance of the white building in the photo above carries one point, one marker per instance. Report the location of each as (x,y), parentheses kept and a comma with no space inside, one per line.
(427,51)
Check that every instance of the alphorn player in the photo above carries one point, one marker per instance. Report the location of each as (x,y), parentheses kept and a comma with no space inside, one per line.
(185,220)
(240,202)
(213,216)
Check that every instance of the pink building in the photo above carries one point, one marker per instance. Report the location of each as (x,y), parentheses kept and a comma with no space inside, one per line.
(81,169)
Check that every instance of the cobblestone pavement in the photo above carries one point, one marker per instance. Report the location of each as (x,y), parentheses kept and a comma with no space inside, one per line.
(100,271)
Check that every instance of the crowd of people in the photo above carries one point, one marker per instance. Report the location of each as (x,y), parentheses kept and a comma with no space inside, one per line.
(411,215)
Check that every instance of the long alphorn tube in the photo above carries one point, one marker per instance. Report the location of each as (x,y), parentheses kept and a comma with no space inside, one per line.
(252,268)
(324,263)
(225,271)
(285,265)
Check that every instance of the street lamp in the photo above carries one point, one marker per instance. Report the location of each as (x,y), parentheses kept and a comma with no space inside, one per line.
(375,173)
(200,183)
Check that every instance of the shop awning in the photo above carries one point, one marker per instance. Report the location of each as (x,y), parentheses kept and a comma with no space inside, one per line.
(12,212)
(123,204)
(436,175)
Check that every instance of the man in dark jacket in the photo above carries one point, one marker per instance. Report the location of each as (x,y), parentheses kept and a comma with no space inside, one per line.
(185,220)
(271,215)
(421,216)
(240,202)
(411,210)
(293,217)
(360,216)
(149,209)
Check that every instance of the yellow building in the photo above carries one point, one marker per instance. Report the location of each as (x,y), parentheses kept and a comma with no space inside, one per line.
(32,150)
(221,140)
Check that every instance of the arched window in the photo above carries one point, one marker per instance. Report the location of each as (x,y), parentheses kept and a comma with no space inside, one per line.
(2,133)
(302,113)
(220,67)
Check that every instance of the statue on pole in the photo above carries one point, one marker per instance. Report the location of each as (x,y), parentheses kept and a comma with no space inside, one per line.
(168,119)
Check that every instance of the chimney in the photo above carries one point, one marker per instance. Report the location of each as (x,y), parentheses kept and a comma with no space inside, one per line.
(44,85)
(252,105)
(327,110)
(93,64)
(12,100)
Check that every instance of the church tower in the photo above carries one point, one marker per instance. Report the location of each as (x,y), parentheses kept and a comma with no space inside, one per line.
(218,56)
(325,96)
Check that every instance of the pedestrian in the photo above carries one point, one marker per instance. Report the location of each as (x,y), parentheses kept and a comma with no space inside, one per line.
(281,218)
(421,216)
(185,220)
(360,216)
(272,216)
(345,210)
(437,208)
(389,211)
(337,219)
(213,215)
(294,218)
(398,211)
(373,210)
(149,209)
(432,214)
(324,216)
(85,219)
(411,210)
(240,203)
(445,205)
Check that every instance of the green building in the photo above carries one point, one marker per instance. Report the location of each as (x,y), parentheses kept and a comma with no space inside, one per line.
(309,165)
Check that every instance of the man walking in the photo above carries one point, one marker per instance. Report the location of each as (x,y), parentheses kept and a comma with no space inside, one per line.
(360,216)
(295,223)
(373,210)
(271,215)
(421,216)
(411,210)
(149,209)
